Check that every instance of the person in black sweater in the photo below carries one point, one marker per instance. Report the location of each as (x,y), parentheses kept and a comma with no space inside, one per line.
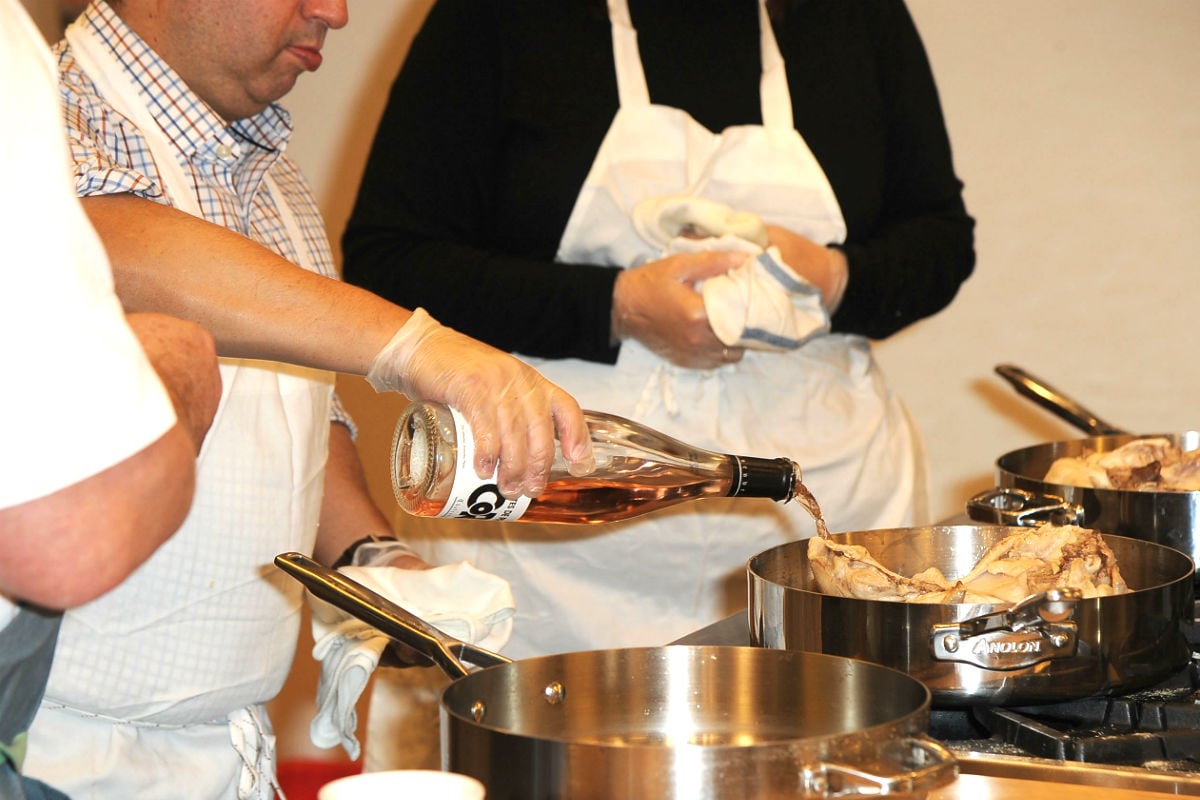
(495,118)
(518,145)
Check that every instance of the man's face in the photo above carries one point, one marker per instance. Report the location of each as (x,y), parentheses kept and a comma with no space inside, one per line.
(238,55)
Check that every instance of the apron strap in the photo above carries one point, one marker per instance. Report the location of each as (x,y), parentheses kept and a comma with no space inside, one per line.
(775,98)
(254,741)
(631,78)
(291,224)
(119,90)
(774,94)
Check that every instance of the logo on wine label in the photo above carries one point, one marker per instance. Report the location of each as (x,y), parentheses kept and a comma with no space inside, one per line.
(470,497)
(483,501)
(486,502)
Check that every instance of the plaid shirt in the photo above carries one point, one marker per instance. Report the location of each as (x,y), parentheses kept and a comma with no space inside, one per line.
(227,162)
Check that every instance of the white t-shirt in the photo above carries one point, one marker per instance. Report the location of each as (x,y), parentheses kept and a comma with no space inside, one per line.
(79,394)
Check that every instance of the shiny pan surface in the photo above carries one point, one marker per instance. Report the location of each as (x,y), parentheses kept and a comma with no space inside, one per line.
(691,722)
(966,657)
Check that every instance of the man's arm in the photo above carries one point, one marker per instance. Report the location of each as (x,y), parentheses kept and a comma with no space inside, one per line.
(255,303)
(185,358)
(348,513)
(259,305)
(71,546)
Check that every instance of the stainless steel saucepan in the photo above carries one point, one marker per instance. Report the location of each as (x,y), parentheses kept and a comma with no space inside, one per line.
(1047,649)
(671,723)
(1023,496)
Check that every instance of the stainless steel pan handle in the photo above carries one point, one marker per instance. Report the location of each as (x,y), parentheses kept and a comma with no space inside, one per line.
(922,763)
(1039,628)
(387,617)
(1052,399)
(1012,506)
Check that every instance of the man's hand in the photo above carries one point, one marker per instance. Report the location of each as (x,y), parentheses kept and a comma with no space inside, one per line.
(513,411)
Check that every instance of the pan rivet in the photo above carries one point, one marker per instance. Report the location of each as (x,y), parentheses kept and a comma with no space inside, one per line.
(478,711)
(555,693)
(951,643)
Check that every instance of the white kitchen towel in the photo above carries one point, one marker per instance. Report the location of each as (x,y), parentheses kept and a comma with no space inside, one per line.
(663,218)
(458,599)
(761,305)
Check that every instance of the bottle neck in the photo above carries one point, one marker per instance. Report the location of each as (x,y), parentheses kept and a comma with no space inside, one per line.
(774,478)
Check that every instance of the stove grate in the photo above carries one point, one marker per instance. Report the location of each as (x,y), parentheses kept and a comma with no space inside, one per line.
(1111,744)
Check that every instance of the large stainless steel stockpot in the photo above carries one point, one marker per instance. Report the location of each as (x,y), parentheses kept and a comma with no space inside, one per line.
(1050,649)
(670,723)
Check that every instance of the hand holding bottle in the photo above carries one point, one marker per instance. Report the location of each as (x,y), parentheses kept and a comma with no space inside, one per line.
(513,411)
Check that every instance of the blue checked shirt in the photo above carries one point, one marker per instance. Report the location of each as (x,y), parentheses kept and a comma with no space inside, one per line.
(228,162)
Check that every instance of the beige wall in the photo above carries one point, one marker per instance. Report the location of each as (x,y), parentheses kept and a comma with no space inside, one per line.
(1076,127)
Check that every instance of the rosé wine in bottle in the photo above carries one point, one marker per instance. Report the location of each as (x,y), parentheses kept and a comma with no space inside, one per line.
(638,470)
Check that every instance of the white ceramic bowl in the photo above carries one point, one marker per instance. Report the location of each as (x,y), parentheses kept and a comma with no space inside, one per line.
(403,784)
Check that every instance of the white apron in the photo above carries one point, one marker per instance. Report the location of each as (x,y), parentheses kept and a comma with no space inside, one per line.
(180,656)
(651,580)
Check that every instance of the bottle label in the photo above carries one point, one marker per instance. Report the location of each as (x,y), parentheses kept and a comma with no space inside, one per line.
(472,497)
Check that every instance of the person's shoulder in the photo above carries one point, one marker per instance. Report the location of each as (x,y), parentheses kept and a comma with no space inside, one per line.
(509,30)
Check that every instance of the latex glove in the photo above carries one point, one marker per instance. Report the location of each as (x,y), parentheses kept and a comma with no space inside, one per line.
(458,599)
(658,304)
(824,267)
(513,411)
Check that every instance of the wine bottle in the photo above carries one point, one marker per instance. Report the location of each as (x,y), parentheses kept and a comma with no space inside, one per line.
(638,470)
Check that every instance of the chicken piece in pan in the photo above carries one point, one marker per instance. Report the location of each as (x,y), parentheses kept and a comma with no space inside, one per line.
(849,570)
(1020,564)
(1047,557)
(1147,465)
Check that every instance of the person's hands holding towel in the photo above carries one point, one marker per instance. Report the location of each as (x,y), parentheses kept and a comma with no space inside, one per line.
(727,282)
(824,267)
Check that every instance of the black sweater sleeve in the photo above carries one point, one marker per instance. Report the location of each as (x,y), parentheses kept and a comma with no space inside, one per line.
(460,210)
(493,122)
(873,119)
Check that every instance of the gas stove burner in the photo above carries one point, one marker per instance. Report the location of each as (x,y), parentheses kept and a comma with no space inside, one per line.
(1157,729)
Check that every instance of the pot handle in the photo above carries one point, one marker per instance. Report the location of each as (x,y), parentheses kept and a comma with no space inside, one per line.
(922,764)
(1038,628)
(1053,400)
(385,616)
(1012,506)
